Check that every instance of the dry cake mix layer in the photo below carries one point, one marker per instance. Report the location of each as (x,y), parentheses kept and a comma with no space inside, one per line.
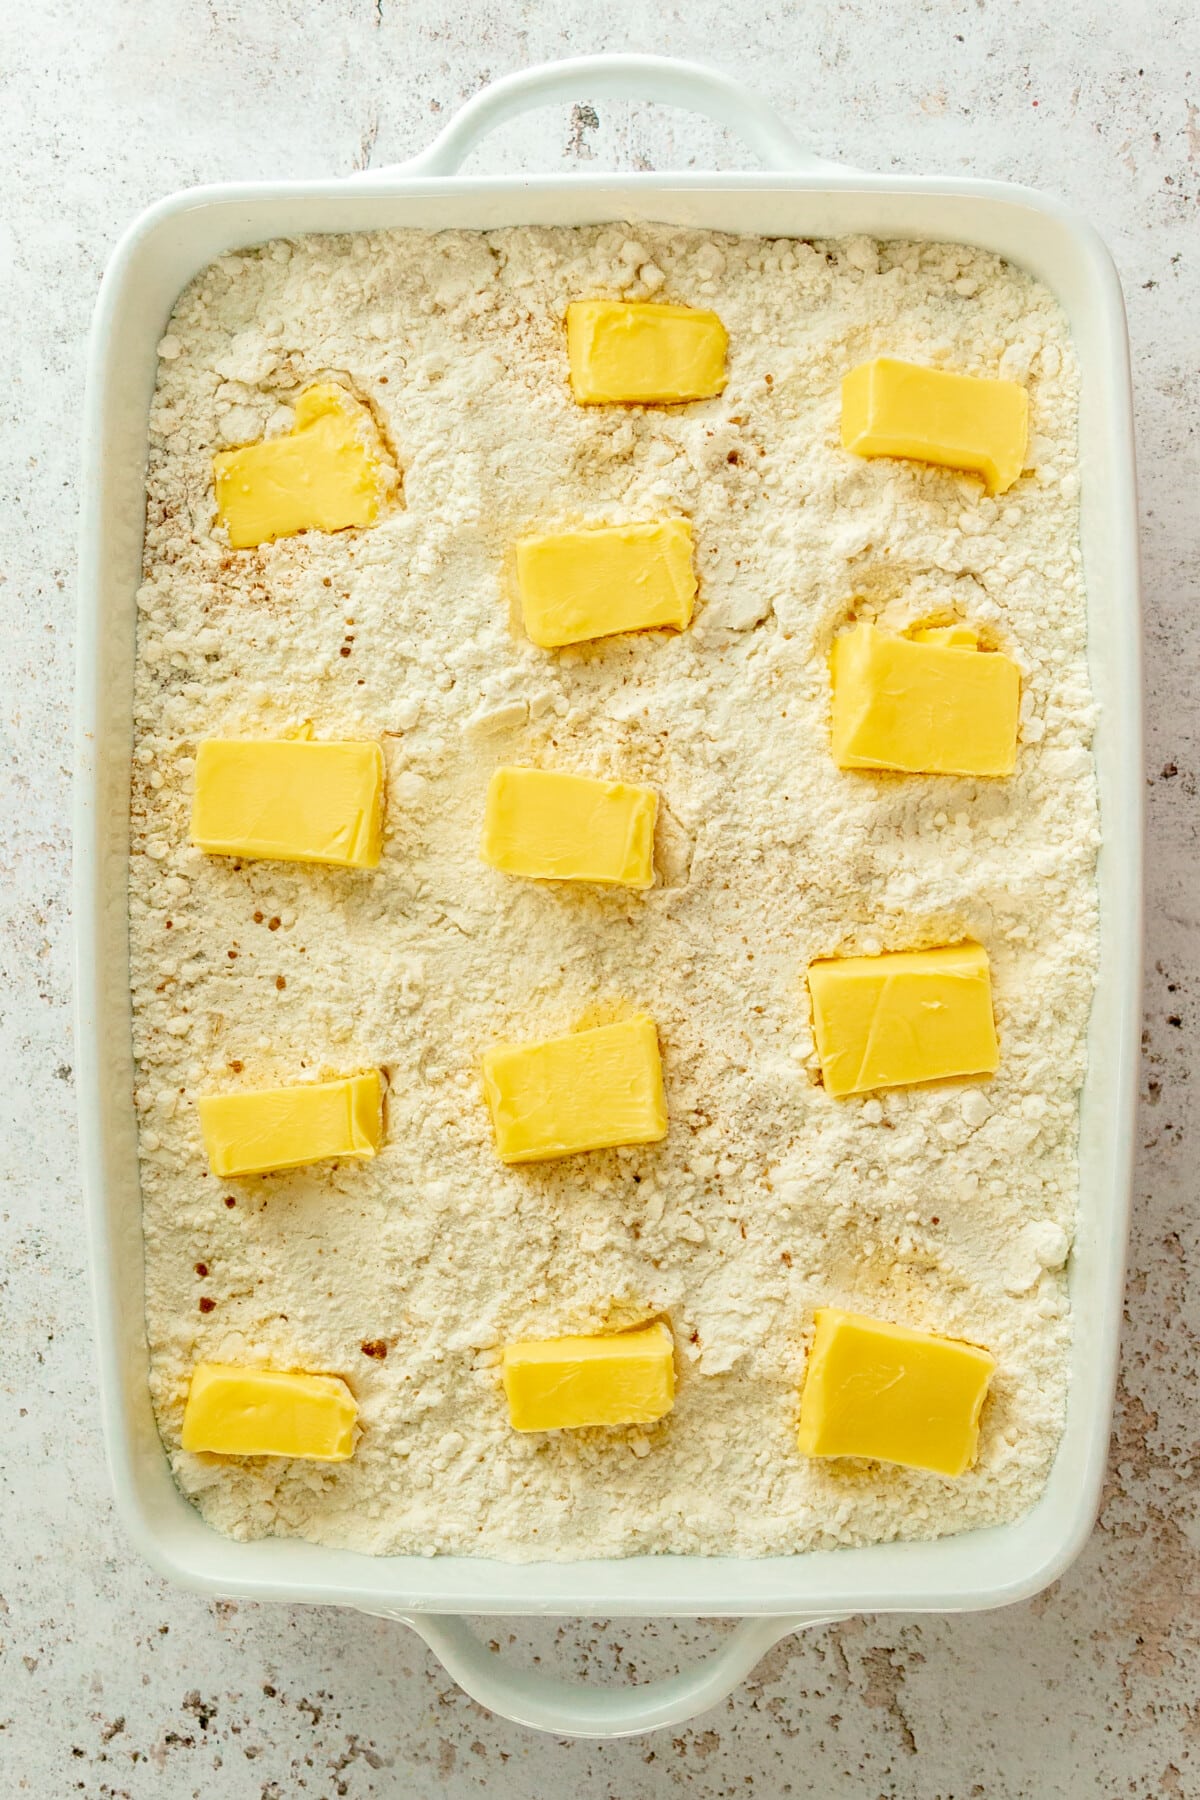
(948,1208)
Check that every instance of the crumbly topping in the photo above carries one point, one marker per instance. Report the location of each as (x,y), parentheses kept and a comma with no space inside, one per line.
(949,1208)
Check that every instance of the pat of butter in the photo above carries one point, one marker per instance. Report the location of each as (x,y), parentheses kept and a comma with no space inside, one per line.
(957,637)
(636,353)
(893,1394)
(328,472)
(236,1411)
(289,800)
(625,1378)
(589,1090)
(285,1128)
(892,408)
(585,584)
(567,828)
(933,703)
(913,1015)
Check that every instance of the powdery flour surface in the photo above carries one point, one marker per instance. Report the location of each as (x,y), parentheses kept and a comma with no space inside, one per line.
(949,1208)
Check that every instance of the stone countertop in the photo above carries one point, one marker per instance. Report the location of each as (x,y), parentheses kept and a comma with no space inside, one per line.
(114,1684)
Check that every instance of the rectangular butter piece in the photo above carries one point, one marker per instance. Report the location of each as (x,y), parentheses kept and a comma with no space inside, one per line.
(589,1090)
(624,1378)
(577,585)
(237,1411)
(567,828)
(957,636)
(286,1128)
(912,1015)
(633,352)
(932,703)
(893,408)
(289,800)
(329,472)
(893,1394)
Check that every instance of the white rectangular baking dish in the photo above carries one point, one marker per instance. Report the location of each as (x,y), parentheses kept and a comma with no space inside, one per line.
(801,197)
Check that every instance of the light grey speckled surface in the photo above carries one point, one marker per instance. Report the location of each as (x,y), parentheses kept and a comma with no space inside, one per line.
(112,1684)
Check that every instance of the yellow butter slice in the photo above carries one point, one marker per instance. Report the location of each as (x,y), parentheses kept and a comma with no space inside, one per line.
(590,1090)
(637,352)
(289,800)
(885,1391)
(623,1378)
(233,1410)
(285,1128)
(894,408)
(329,472)
(932,703)
(957,636)
(557,827)
(909,1016)
(576,585)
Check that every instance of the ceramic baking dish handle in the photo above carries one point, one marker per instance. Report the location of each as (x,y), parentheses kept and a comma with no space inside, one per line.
(567,1709)
(660,78)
